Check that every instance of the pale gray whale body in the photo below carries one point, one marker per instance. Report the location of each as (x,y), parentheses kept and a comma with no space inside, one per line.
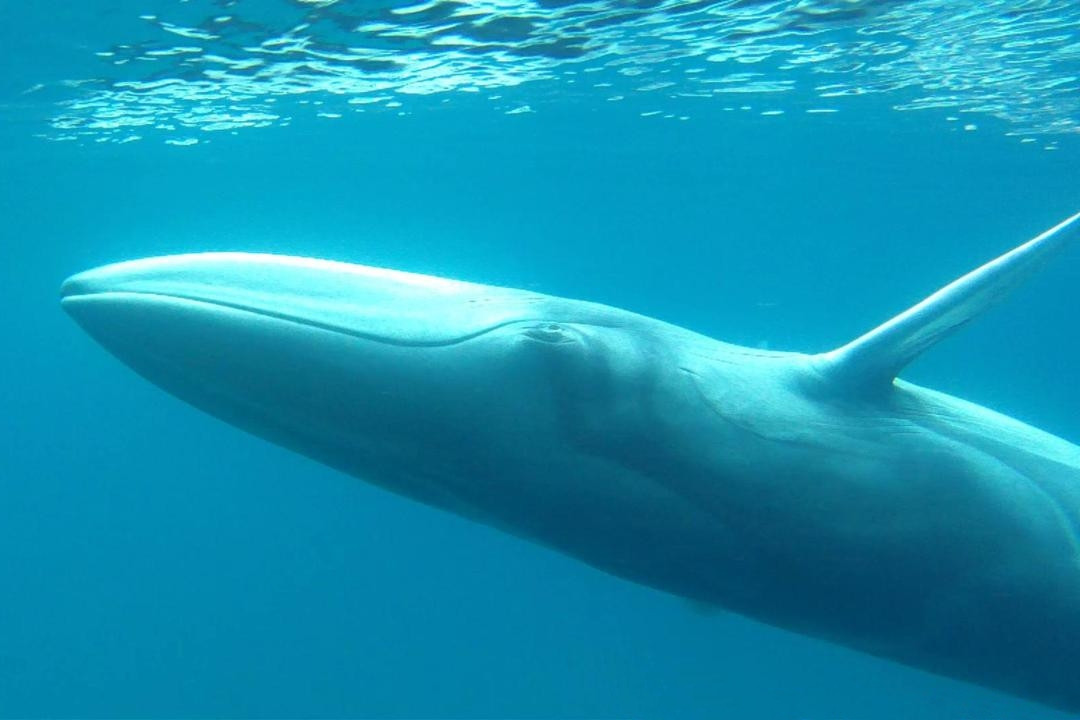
(812,492)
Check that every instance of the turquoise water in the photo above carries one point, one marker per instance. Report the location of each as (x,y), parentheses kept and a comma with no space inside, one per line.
(781,174)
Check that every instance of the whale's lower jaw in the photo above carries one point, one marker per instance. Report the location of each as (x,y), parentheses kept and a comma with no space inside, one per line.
(306,387)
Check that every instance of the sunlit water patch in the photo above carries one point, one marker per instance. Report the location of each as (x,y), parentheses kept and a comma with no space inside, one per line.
(205,66)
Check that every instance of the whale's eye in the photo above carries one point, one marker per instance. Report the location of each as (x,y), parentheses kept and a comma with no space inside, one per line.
(549,333)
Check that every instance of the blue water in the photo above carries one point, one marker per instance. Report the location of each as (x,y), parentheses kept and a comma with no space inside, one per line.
(157,562)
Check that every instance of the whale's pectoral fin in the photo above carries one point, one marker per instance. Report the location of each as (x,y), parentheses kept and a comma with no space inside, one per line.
(874,359)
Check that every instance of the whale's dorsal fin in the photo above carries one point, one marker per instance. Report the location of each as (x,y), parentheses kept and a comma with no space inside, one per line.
(874,359)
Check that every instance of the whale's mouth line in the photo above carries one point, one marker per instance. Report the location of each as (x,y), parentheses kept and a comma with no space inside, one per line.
(67,298)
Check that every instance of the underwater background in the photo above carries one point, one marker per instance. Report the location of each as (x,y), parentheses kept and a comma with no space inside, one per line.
(784,174)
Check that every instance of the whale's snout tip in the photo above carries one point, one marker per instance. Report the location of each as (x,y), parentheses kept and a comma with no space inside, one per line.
(71,287)
(77,288)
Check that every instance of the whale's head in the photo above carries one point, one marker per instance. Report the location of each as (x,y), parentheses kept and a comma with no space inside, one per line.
(421,384)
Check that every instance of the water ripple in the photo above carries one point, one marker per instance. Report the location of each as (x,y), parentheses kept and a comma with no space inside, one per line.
(223,65)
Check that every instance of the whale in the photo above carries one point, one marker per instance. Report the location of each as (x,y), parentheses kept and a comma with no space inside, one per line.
(815,492)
